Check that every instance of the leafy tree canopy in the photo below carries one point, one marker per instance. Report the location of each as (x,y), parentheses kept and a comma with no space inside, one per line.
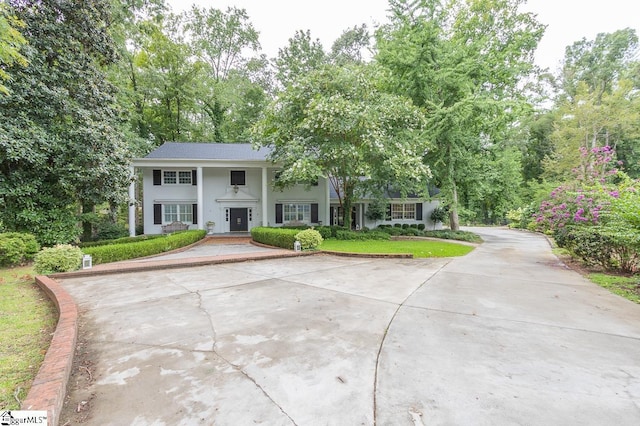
(336,122)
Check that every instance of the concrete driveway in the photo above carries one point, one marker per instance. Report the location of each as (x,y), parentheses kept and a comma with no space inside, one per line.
(504,335)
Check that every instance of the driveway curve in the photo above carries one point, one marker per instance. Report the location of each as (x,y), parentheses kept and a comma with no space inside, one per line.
(504,335)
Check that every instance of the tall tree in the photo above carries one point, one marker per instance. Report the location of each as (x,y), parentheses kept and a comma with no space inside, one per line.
(300,56)
(462,61)
(10,43)
(60,141)
(351,46)
(335,122)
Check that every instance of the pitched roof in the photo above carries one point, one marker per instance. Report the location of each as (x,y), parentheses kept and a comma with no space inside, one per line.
(208,151)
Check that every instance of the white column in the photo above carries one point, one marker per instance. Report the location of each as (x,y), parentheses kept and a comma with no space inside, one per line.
(265,207)
(200,183)
(132,202)
(327,204)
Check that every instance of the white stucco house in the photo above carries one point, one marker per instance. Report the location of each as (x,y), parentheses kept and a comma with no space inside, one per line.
(200,184)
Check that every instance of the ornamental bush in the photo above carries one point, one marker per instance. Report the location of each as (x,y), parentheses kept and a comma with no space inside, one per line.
(361,236)
(309,239)
(607,247)
(17,248)
(60,258)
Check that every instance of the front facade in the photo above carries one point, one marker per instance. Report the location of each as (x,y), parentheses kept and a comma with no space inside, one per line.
(226,188)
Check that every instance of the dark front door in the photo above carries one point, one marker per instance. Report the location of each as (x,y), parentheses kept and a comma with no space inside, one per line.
(239,220)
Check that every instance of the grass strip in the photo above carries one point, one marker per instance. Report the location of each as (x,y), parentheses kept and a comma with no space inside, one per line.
(27,321)
(417,248)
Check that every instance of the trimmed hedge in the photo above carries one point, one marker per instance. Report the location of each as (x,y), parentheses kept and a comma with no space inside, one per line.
(122,240)
(447,234)
(277,237)
(142,248)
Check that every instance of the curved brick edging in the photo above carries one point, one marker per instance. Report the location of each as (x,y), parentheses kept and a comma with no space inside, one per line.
(49,388)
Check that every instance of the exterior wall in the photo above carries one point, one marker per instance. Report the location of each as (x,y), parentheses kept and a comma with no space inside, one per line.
(427,208)
(219,196)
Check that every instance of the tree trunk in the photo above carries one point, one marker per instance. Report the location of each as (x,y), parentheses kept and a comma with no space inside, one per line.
(87,225)
(454,220)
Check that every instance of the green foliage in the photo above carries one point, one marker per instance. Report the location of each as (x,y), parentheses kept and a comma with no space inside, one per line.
(27,246)
(108,230)
(61,143)
(12,251)
(11,41)
(336,122)
(463,62)
(346,235)
(61,258)
(120,240)
(377,210)
(454,235)
(141,248)
(277,237)
(309,239)
(607,247)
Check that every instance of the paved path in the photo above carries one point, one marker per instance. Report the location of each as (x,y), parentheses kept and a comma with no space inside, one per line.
(505,335)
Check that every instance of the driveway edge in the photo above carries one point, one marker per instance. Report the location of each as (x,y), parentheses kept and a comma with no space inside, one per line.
(49,387)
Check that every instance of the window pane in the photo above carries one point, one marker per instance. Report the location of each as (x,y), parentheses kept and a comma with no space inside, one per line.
(410,211)
(169,177)
(184,178)
(170,213)
(237,177)
(186,212)
(397,211)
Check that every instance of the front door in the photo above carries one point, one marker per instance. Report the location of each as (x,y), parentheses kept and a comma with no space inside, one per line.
(238,220)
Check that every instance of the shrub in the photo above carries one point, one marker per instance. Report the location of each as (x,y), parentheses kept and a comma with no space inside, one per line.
(421,226)
(439,214)
(325,231)
(414,232)
(120,240)
(610,248)
(61,258)
(147,247)
(309,239)
(397,225)
(109,231)
(277,237)
(447,234)
(17,248)
(361,236)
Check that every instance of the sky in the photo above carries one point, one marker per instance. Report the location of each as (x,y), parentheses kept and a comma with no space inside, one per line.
(567,20)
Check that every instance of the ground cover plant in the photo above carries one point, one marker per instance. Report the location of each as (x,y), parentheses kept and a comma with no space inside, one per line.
(418,248)
(27,321)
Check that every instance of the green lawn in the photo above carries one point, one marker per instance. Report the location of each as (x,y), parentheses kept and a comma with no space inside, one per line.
(27,321)
(419,248)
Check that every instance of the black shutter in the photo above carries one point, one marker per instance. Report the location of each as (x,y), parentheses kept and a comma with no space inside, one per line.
(388,214)
(418,211)
(157,177)
(194,178)
(195,214)
(157,214)
(314,213)
(278,213)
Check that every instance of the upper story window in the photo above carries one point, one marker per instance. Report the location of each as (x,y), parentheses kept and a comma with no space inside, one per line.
(174,177)
(238,177)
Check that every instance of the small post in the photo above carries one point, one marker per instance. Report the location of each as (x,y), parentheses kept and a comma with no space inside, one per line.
(86,261)
(297,246)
